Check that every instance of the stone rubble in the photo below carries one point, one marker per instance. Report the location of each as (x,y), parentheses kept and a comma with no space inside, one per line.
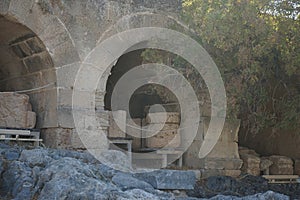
(255,165)
(63,174)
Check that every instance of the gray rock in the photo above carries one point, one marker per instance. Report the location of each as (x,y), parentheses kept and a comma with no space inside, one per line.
(18,182)
(127,181)
(107,171)
(169,179)
(116,159)
(269,195)
(36,157)
(138,194)
(63,178)
(11,154)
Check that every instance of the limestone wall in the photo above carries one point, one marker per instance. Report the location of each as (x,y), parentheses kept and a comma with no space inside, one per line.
(46,42)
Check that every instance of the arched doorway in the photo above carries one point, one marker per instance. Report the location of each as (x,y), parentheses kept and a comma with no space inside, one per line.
(27,68)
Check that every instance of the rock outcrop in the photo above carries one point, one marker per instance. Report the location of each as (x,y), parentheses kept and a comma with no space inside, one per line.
(62,174)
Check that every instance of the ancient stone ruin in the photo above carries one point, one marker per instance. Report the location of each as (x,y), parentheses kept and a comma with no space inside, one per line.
(44,43)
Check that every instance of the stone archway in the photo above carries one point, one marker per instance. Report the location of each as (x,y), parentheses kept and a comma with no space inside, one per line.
(26,67)
(44,79)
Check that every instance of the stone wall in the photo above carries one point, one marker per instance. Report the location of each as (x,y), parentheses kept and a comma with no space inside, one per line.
(46,42)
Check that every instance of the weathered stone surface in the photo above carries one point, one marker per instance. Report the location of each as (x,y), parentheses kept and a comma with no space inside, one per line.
(134,131)
(281,165)
(169,179)
(221,163)
(116,159)
(18,181)
(127,181)
(14,111)
(297,167)
(245,150)
(265,164)
(35,157)
(166,117)
(251,164)
(11,154)
(168,135)
(117,121)
(206,173)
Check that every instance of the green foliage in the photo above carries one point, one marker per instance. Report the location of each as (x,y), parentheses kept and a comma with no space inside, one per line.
(256,45)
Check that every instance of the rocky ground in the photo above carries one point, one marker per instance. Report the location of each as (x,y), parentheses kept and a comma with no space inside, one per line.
(61,174)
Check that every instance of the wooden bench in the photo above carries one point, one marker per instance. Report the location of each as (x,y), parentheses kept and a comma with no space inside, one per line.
(278,179)
(25,135)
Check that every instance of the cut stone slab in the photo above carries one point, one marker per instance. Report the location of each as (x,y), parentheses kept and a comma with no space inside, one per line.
(15,111)
(169,179)
(251,164)
(206,173)
(127,182)
(168,135)
(165,117)
(282,165)
(117,118)
(297,167)
(221,163)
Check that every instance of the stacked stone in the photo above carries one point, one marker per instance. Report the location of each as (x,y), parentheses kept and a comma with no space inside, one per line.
(16,111)
(251,161)
(218,162)
(168,135)
(281,165)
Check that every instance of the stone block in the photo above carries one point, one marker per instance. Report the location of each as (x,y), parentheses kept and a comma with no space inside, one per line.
(169,179)
(134,131)
(245,150)
(14,111)
(31,119)
(38,62)
(35,45)
(282,165)
(205,173)
(265,164)
(221,163)
(66,75)
(297,167)
(165,117)
(251,164)
(169,136)
(117,121)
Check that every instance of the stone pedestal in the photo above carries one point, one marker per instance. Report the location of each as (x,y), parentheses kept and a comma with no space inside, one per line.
(223,159)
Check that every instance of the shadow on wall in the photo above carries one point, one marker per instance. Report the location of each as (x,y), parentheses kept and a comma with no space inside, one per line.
(26,67)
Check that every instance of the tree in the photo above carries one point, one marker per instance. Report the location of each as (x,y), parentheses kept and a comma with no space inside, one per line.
(256,45)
